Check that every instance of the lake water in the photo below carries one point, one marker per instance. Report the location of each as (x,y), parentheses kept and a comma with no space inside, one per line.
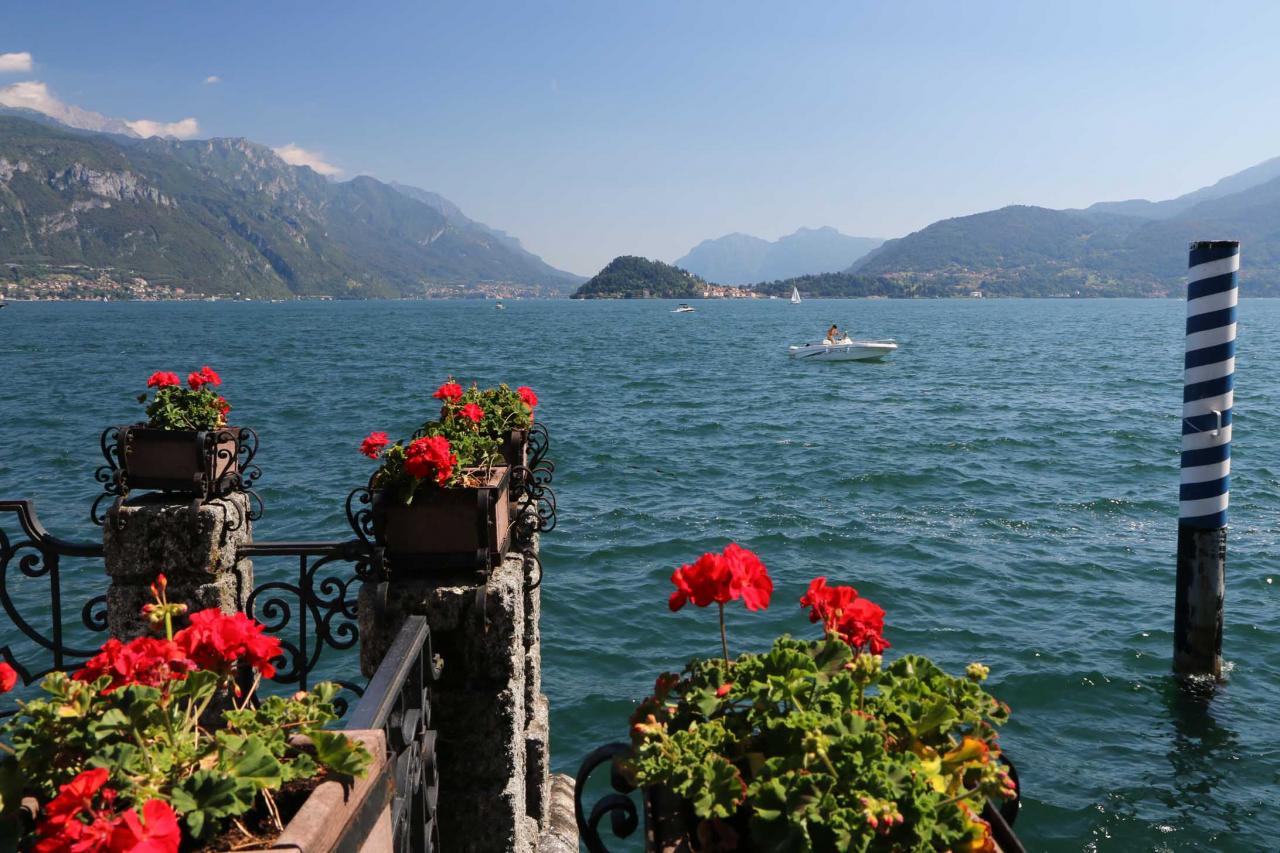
(1005,486)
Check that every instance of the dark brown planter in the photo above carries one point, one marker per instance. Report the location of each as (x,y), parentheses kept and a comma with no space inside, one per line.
(515,447)
(204,463)
(337,817)
(459,527)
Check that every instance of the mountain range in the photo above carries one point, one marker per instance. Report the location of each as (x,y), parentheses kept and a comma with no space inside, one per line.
(1126,248)
(743,259)
(224,216)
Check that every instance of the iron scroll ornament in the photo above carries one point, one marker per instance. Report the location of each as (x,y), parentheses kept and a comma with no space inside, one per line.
(618,805)
(214,449)
(38,555)
(319,606)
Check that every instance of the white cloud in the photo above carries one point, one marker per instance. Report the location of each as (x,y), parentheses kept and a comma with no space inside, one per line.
(296,156)
(34,95)
(10,62)
(184,129)
(211,79)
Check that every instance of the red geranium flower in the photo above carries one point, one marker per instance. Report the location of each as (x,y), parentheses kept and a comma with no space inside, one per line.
(215,640)
(856,621)
(8,677)
(76,796)
(705,581)
(156,832)
(472,412)
(223,406)
(373,444)
(750,579)
(450,392)
(161,378)
(526,394)
(430,456)
(146,660)
(203,376)
(735,573)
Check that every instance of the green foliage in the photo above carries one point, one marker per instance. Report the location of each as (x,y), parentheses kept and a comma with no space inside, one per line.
(473,448)
(812,747)
(503,410)
(150,741)
(631,277)
(177,408)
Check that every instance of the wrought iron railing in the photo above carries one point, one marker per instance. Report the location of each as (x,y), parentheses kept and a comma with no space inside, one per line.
(32,556)
(312,609)
(398,701)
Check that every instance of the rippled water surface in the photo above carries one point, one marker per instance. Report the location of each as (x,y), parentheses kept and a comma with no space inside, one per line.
(1005,487)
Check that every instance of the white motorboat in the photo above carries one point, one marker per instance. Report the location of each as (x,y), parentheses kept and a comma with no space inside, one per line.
(683,309)
(844,350)
(795,296)
(500,306)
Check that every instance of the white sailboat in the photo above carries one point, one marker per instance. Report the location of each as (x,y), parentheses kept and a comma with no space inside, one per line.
(795,296)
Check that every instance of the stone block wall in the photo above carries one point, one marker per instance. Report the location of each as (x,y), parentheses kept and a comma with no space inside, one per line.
(197,548)
(492,746)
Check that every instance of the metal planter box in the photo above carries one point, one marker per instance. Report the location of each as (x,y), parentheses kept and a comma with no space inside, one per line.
(464,527)
(200,463)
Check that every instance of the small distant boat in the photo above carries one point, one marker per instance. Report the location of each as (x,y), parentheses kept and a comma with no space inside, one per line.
(844,350)
(500,306)
(795,296)
(683,309)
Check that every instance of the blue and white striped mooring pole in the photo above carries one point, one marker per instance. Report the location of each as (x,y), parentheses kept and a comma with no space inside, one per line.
(1207,396)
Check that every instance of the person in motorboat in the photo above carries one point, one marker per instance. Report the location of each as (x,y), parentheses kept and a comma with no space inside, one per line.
(833,335)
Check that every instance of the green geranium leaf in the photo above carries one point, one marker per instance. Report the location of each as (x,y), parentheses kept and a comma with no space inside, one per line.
(248,758)
(340,754)
(720,791)
(206,797)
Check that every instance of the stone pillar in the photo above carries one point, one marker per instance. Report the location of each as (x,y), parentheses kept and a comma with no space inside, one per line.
(197,547)
(489,711)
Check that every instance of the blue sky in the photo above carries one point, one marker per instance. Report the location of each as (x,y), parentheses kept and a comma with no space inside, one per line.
(596,129)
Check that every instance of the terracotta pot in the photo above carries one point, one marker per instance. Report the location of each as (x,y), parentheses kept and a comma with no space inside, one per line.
(335,817)
(192,462)
(458,527)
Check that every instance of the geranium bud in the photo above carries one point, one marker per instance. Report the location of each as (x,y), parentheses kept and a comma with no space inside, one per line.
(724,689)
(977,671)
(300,695)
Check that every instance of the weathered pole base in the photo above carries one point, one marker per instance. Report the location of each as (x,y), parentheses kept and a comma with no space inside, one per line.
(1197,615)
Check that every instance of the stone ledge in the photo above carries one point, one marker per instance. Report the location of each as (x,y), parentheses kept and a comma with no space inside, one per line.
(560,828)
(153,533)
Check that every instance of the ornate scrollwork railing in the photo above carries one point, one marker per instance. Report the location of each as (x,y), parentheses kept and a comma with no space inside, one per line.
(398,701)
(618,806)
(35,555)
(314,612)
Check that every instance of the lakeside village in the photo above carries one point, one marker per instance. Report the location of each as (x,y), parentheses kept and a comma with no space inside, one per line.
(81,287)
